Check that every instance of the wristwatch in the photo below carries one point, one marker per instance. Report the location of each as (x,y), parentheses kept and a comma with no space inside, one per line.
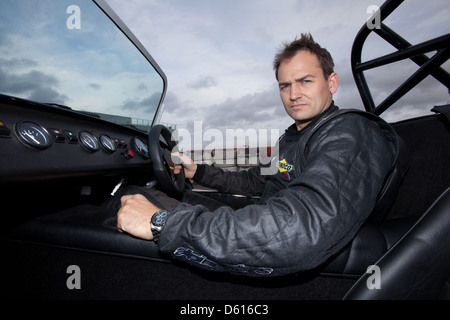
(157,223)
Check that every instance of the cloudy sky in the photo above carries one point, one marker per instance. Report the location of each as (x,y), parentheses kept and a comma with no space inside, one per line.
(217,55)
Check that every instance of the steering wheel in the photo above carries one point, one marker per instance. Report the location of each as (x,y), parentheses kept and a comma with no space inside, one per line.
(162,163)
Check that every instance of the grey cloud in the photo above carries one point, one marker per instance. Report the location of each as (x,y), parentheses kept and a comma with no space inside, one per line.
(34,85)
(206,82)
(15,63)
(177,111)
(263,108)
(47,95)
(4,38)
(148,104)
(179,108)
(95,86)
(142,87)
(22,83)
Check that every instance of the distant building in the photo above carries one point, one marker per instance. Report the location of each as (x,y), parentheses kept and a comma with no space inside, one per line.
(141,124)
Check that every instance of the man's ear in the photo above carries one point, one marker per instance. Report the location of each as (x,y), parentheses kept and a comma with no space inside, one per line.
(333,82)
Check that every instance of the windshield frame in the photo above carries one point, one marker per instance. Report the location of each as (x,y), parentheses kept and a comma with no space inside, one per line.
(110,13)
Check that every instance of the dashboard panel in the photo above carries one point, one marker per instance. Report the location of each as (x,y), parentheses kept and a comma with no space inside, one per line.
(42,141)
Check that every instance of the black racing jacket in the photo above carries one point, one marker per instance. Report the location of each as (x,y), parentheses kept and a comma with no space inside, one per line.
(325,184)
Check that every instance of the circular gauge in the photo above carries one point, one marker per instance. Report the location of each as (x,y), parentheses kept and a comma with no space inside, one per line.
(33,135)
(88,141)
(140,146)
(107,143)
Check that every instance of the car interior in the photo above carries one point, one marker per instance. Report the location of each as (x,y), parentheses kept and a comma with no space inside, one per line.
(59,165)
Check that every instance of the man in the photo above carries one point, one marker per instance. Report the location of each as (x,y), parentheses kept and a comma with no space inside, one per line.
(331,169)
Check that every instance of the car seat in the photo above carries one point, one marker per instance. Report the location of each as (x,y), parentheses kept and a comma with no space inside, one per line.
(418,265)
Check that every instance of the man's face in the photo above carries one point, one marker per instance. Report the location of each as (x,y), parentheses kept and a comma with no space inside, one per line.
(303,88)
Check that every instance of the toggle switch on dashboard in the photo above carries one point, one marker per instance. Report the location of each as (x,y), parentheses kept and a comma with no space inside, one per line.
(128,154)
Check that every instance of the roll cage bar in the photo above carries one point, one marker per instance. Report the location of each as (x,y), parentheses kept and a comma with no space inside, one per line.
(405,50)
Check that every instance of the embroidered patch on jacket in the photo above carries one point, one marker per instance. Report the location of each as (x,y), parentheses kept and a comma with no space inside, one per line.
(284,167)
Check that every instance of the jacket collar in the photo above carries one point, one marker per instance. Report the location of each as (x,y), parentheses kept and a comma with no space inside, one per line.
(293,128)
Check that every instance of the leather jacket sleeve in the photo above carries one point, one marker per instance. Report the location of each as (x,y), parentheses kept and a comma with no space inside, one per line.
(248,183)
(340,174)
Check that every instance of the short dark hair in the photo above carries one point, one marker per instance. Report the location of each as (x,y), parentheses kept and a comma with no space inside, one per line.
(306,42)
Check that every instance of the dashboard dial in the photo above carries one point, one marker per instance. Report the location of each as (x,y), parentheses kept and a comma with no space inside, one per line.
(107,143)
(33,135)
(140,146)
(88,141)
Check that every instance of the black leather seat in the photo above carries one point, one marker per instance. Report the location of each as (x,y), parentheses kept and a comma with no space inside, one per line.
(376,236)
(418,265)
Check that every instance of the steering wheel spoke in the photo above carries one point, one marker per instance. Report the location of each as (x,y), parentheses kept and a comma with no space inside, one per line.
(162,163)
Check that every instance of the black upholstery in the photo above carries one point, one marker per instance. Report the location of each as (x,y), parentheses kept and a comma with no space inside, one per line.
(85,227)
(418,266)
(371,242)
(392,183)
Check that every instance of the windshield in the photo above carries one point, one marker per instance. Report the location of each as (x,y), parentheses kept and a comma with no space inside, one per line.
(68,52)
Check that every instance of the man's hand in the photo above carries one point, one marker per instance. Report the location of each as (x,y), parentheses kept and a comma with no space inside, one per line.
(190,167)
(134,216)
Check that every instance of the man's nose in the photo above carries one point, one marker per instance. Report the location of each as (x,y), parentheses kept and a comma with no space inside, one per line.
(296,92)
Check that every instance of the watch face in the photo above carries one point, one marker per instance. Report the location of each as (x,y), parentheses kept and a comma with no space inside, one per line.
(159,218)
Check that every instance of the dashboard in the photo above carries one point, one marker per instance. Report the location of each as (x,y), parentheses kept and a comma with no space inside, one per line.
(41,141)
